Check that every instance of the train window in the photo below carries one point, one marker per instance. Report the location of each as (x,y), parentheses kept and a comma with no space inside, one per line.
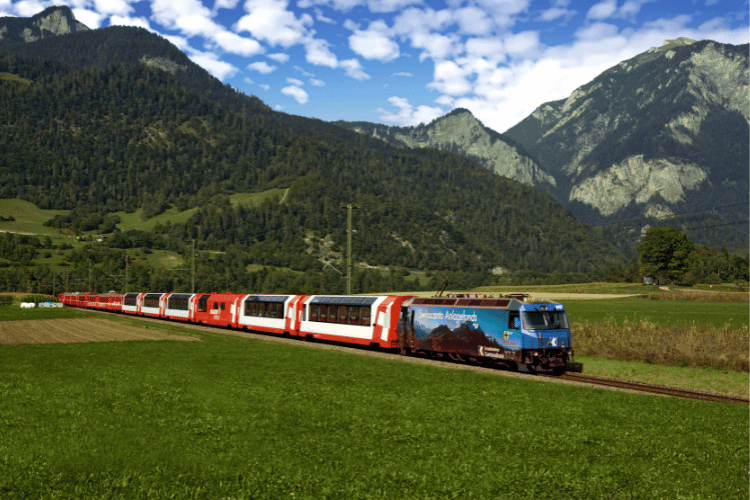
(343,314)
(333,314)
(279,310)
(353,315)
(203,304)
(151,301)
(545,320)
(313,312)
(364,315)
(221,306)
(323,316)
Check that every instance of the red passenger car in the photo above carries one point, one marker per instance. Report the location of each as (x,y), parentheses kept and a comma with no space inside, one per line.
(217,309)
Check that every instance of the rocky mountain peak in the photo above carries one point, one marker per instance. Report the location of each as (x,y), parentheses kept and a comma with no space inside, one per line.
(461,132)
(659,134)
(53,21)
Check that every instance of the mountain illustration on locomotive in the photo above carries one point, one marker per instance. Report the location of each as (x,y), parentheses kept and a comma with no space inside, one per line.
(528,336)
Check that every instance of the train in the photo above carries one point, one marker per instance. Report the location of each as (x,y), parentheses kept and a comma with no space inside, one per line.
(530,336)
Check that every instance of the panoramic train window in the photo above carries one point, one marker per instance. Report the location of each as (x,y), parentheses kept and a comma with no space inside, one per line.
(130,299)
(333,314)
(343,310)
(151,300)
(264,309)
(178,302)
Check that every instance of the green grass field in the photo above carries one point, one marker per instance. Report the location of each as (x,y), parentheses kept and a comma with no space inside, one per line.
(29,219)
(663,312)
(239,418)
(134,220)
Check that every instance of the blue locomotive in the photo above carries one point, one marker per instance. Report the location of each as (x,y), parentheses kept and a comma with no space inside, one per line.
(532,337)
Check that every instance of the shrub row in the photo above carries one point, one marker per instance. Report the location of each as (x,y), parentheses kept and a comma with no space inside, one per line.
(682,345)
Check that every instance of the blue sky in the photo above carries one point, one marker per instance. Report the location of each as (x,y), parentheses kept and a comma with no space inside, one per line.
(405,62)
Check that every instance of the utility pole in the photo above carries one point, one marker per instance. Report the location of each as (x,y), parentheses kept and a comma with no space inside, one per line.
(349,208)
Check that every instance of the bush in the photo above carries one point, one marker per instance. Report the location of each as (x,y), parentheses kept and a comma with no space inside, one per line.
(683,345)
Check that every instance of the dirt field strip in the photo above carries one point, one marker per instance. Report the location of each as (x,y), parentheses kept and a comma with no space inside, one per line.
(63,331)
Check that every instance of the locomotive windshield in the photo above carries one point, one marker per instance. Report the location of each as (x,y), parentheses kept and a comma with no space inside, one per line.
(545,320)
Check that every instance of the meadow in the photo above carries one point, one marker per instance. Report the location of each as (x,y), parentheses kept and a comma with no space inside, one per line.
(239,418)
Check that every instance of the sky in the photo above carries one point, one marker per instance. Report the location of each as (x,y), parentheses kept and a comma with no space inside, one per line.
(406,62)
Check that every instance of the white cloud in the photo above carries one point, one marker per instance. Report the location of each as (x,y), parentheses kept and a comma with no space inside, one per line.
(220,69)
(139,22)
(353,69)
(602,10)
(270,21)
(112,7)
(403,73)
(225,4)
(90,18)
(407,115)
(474,21)
(374,42)
(303,72)
(559,9)
(523,43)
(297,93)
(596,31)
(317,52)
(27,8)
(191,18)
(232,42)
(279,57)
(320,17)
(491,48)
(295,82)
(317,83)
(261,67)
(450,78)
(608,9)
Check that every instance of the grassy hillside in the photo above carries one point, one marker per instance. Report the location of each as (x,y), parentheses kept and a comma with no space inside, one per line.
(29,218)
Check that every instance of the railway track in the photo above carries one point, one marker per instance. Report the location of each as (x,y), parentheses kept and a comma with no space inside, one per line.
(651,389)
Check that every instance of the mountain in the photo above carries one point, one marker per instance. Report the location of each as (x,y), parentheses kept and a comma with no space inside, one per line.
(661,134)
(50,23)
(661,138)
(117,119)
(460,132)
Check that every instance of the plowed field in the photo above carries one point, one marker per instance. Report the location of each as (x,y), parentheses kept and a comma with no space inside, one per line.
(63,331)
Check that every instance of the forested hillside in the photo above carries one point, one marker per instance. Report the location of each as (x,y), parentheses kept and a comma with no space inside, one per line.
(86,127)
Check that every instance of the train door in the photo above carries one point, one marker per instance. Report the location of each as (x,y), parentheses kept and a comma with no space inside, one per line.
(407,340)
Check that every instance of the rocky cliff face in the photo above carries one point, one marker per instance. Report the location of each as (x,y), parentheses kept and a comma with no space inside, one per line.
(662,133)
(460,132)
(53,21)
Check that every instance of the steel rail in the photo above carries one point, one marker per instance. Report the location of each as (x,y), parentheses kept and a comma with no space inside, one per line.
(652,388)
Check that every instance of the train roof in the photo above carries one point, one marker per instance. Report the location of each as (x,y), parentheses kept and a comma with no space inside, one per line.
(502,303)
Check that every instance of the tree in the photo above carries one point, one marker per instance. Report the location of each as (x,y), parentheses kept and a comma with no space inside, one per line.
(664,253)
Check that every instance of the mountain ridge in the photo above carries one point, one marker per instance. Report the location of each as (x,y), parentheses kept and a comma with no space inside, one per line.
(99,131)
